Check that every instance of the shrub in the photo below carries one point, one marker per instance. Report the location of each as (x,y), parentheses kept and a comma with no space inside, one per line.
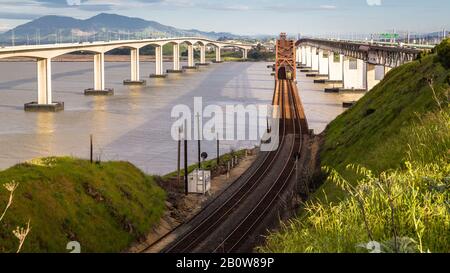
(402,210)
(443,51)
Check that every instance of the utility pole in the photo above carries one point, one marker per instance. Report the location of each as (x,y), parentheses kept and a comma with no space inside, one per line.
(91,150)
(199,141)
(179,157)
(218,150)
(186,189)
(13,38)
(204,157)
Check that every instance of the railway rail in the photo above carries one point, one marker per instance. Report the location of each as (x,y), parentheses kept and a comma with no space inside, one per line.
(286,97)
(230,222)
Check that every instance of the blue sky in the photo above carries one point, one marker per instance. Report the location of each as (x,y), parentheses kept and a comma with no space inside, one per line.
(310,17)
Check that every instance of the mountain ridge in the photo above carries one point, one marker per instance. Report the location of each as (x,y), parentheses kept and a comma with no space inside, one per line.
(103,26)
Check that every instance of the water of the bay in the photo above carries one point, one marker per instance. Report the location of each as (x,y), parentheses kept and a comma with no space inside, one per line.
(135,124)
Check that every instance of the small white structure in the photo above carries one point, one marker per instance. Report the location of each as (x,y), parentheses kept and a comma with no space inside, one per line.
(199,181)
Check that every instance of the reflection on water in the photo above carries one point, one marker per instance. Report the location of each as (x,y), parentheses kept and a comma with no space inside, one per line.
(133,125)
(321,107)
(45,128)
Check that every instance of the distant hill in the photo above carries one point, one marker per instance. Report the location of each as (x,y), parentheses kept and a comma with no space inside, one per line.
(104,26)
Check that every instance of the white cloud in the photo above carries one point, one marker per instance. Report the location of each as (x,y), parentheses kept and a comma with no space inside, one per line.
(374,2)
(73,2)
(327,7)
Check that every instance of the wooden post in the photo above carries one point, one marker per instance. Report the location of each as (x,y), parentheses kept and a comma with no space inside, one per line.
(199,142)
(218,150)
(199,152)
(179,157)
(91,149)
(186,189)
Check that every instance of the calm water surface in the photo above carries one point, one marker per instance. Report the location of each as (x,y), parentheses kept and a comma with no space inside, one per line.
(133,125)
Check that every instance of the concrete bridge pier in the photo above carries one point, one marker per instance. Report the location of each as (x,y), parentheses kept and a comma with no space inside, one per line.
(176,60)
(324,66)
(355,74)
(335,71)
(335,67)
(135,69)
(245,54)
(371,76)
(218,55)
(323,63)
(203,56)
(375,74)
(314,62)
(44,70)
(308,56)
(159,63)
(44,81)
(99,78)
(191,61)
(303,57)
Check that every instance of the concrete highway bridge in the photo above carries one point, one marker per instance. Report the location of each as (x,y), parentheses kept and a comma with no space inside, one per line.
(45,53)
(356,65)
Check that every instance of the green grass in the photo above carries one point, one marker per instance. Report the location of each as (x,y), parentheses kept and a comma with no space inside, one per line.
(389,163)
(209,164)
(231,59)
(227,56)
(379,140)
(405,210)
(103,206)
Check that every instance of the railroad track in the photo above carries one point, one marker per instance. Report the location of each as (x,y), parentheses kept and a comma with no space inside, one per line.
(291,111)
(293,116)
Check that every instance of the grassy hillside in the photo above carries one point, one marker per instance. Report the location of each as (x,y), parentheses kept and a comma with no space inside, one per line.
(389,163)
(375,133)
(103,206)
